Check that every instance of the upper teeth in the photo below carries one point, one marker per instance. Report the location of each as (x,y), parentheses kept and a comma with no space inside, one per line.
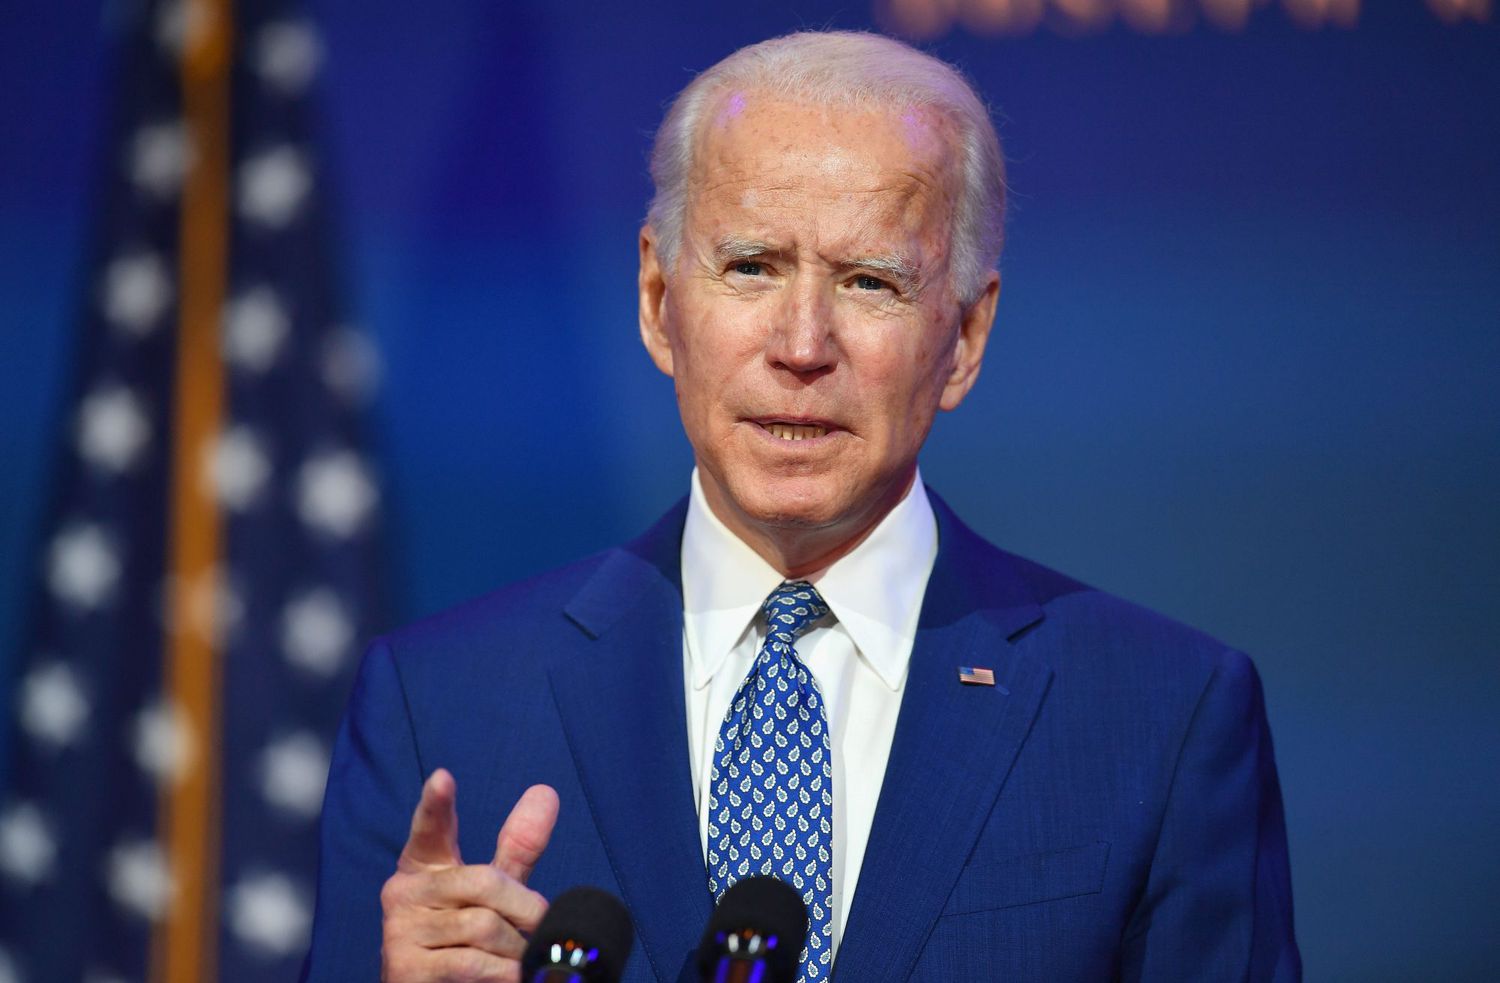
(795,431)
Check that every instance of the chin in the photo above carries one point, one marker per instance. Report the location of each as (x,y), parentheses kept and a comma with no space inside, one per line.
(793,503)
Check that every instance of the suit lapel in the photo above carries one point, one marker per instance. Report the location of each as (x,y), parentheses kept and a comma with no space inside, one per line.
(626,723)
(953,749)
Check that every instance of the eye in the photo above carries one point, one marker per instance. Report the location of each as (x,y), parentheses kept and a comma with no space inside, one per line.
(748,267)
(866,282)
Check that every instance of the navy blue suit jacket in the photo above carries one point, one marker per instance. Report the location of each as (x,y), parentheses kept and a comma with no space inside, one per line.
(1108,810)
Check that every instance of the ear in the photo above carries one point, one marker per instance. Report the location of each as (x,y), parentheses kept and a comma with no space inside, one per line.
(652,285)
(968,348)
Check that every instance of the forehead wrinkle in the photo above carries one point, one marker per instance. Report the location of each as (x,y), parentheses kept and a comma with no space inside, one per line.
(866,242)
(898,212)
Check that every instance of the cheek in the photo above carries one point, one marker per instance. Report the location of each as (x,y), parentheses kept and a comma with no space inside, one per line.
(715,346)
(934,359)
(708,360)
(683,337)
(910,378)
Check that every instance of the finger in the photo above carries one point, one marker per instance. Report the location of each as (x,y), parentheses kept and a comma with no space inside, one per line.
(433,841)
(475,927)
(478,886)
(526,832)
(410,963)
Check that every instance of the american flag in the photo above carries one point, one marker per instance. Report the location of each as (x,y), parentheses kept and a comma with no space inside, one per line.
(976,675)
(211,562)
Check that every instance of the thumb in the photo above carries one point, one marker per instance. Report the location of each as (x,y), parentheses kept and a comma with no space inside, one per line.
(526,832)
(433,841)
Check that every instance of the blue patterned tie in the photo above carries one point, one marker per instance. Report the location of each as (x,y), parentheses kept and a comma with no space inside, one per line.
(770,805)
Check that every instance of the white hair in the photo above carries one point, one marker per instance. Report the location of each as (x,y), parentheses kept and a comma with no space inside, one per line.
(846,68)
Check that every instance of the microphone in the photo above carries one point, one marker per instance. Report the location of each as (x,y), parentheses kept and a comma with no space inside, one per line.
(585,937)
(755,935)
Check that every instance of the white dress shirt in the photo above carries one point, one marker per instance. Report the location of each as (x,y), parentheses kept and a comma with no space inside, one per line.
(858,655)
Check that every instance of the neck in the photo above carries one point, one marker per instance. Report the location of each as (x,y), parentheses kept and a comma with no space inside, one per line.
(798,551)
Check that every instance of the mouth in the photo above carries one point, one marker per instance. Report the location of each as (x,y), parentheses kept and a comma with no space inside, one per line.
(793,430)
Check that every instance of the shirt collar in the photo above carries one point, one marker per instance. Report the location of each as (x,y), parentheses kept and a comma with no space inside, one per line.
(875,591)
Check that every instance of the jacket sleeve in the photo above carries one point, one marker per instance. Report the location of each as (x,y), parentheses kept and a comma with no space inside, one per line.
(374,783)
(1218,900)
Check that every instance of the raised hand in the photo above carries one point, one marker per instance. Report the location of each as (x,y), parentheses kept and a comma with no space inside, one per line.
(445,920)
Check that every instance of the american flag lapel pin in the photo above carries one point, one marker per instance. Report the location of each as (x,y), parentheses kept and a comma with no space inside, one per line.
(976,676)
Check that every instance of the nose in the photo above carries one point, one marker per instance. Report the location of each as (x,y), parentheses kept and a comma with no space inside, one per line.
(801,341)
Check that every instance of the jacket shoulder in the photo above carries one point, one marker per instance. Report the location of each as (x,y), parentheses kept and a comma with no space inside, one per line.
(1085,628)
(1083,606)
(534,614)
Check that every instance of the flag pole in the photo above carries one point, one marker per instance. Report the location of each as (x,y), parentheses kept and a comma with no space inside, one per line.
(185,943)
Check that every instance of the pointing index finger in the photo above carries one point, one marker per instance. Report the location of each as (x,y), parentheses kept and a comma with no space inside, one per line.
(433,841)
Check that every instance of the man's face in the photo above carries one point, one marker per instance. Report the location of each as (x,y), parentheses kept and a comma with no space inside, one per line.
(809,322)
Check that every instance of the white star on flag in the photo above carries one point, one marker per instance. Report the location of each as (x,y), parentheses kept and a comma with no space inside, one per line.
(54,709)
(163,742)
(293,773)
(159,158)
(136,292)
(27,849)
(138,878)
(83,566)
(269,913)
(351,365)
(287,55)
(113,428)
(316,631)
(335,493)
(256,325)
(238,468)
(272,186)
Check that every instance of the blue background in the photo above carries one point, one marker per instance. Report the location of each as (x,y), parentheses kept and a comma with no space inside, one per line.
(1245,368)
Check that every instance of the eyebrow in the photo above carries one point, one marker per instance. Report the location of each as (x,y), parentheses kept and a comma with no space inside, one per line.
(906,274)
(732,247)
(903,272)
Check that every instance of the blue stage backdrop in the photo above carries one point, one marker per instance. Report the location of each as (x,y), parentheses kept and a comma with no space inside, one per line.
(1244,370)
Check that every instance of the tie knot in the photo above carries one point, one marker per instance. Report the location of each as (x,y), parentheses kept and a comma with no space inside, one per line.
(792,608)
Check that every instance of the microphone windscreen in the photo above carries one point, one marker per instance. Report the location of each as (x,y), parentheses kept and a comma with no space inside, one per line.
(764,906)
(586,919)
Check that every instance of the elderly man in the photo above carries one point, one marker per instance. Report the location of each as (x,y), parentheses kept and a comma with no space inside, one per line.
(969,766)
